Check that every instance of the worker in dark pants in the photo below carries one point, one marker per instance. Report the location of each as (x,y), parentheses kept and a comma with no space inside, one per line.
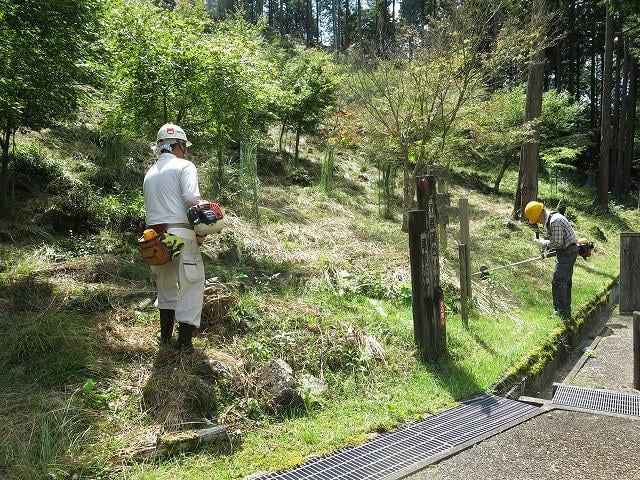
(562,239)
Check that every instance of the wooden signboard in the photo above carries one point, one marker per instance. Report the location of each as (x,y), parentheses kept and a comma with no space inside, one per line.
(429,317)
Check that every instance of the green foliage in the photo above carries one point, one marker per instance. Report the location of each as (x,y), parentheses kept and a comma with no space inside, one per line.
(124,212)
(75,210)
(494,129)
(308,86)
(214,79)
(43,63)
(35,171)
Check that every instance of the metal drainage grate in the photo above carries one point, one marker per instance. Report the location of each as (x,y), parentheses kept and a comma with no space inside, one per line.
(597,399)
(413,443)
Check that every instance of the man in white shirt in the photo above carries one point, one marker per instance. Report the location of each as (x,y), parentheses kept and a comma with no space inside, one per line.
(170,188)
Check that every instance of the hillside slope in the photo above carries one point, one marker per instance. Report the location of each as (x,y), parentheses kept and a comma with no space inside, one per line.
(85,388)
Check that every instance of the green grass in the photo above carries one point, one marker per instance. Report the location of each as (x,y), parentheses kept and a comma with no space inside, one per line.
(75,369)
(380,398)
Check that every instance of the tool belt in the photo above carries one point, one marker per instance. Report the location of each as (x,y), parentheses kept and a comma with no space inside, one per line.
(162,247)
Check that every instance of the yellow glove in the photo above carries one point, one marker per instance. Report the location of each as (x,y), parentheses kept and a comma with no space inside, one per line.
(173,243)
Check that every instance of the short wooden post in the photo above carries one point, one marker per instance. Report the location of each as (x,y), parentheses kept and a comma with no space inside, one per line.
(629,273)
(636,350)
(464,301)
(463,207)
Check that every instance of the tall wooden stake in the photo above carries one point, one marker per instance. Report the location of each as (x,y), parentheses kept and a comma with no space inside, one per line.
(636,350)
(629,273)
(463,208)
(464,301)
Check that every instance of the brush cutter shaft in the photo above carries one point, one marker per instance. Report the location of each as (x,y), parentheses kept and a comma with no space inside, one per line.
(528,260)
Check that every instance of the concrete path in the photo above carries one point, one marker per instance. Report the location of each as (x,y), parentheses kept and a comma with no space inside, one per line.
(560,444)
(611,365)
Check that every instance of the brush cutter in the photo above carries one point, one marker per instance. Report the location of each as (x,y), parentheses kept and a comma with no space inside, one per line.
(585,249)
(484,270)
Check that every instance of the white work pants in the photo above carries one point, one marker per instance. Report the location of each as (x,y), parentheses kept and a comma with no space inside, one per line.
(181,284)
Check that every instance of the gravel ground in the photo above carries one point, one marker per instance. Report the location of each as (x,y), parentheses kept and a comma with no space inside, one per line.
(555,445)
(612,365)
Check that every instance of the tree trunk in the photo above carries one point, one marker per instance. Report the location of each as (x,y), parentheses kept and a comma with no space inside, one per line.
(503,170)
(5,140)
(558,56)
(631,122)
(571,38)
(593,102)
(605,123)
(613,160)
(309,22)
(558,67)
(618,183)
(336,26)
(358,18)
(527,189)
(271,13)
(578,67)
(318,21)
(407,196)
(297,152)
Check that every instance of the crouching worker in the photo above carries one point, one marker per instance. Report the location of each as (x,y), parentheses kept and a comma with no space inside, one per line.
(562,239)
(170,189)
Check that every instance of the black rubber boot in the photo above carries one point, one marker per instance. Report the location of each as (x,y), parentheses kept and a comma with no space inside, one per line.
(167,319)
(185,334)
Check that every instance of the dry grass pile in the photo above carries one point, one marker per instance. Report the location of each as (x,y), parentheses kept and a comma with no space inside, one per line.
(186,389)
(219,299)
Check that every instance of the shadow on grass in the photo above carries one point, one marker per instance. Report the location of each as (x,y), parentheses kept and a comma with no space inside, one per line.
(454,378)
(589,269)
(483,345)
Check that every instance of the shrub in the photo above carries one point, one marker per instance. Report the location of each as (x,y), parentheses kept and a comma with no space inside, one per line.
(74,210)
(36,172)
(124,211)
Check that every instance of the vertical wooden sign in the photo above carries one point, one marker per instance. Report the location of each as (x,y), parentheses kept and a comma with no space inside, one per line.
(428,299)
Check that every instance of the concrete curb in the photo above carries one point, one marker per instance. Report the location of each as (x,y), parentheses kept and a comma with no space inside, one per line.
(543,362)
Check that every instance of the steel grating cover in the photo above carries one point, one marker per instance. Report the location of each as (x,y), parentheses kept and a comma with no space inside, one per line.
(597,399)
(412,443)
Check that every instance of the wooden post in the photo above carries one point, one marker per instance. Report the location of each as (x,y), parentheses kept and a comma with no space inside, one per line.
(464,302)
(463,207)
(428,298)
(442,225)
(417,247)
(443,199)
(629,273)
(636,350)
